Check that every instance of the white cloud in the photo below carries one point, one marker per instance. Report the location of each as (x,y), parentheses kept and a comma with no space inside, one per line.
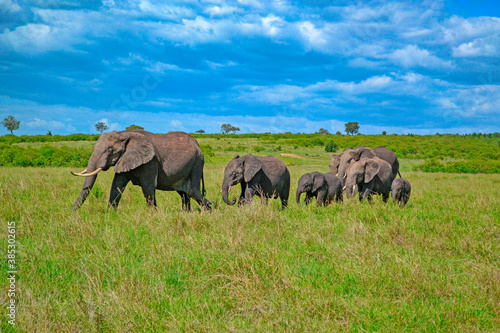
(166,12)
(457,30)
(9,6)
(413,56)
(314,38)
(272,25)
(250,3)
(111,126)
(221,11)
(479,47)
(32,38)
(273,95)
(49,125)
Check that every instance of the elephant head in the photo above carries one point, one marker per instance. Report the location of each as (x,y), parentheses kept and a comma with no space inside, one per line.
(360,173)
(239,170)
(350,156)
(335,163)
(310,182)
(124,150)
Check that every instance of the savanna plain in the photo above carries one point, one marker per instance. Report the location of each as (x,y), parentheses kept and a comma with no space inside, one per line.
(433,266)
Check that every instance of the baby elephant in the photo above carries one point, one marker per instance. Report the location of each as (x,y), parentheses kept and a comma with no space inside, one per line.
(265,176)
(326,187)
(401,190)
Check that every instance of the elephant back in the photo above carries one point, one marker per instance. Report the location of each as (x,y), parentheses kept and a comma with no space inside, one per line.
(389,156)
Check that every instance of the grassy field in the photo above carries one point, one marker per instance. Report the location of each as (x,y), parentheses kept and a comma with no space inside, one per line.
(433,266)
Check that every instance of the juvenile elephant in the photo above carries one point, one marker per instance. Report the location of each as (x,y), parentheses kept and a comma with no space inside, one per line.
(266,176)
(401,190)
(168,162)
(325,187)
(352,155)
(371,176)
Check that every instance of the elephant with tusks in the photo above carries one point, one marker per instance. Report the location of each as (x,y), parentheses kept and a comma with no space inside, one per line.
(167,162)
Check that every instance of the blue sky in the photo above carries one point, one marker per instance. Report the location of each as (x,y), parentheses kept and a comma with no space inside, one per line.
(277,65)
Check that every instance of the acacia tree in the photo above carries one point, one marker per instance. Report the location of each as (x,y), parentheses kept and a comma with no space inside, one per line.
(323,131)
(352,127)
(133,126)
(200,132)
(101,127)
(228,128)
(11,124)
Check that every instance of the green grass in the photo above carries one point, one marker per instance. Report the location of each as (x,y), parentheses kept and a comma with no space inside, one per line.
(433,266)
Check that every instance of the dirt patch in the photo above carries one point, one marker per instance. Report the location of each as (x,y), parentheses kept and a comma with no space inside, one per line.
(291,155)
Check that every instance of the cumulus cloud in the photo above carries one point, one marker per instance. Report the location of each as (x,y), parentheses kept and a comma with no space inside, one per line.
(479,47)
(413,56)
(49,125)
(221,11)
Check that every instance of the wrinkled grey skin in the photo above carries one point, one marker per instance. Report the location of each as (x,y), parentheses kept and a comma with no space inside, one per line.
(401,190)
(351,155)
(267,177)
(325,187)
(335,163)
(168,162)
(371,176)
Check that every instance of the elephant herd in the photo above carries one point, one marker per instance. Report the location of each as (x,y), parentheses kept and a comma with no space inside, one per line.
(174,162)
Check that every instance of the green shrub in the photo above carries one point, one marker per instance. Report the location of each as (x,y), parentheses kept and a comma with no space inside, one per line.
(469,166)
(258,149)
(331,147)
(207,150)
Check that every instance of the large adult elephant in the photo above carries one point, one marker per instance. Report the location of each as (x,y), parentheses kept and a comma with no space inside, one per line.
(168,162)
(369,176)
(265,176)
(351,155)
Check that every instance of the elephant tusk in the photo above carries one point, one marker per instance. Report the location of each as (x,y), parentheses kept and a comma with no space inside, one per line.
(343,188)
(353,188)
(345,175)
(78,173)
(81,174)
(229,190)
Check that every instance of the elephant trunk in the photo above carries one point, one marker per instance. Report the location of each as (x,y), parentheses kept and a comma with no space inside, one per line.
(297,196)
(226,188)
(350,189)
(91,176)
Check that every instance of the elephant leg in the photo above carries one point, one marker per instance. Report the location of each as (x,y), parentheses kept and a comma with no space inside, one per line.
(338,196)
(385,197)
(284,199)
(320,198)
(186,201)
(241,199)
(120,181)
(196,194)
(249,194)
(149,192)
(284,202)
(308,198)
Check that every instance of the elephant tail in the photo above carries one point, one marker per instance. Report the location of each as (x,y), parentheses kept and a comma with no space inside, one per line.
(399,174)
(203,191)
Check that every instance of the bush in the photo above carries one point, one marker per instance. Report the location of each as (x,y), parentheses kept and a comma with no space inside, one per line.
(258,149)
(44,156)
(207,150)
(331,147)
(470,166)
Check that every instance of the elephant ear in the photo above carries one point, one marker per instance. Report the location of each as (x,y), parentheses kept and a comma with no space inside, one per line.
(252,166)
(138,151)
(318,181)
(371,170)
